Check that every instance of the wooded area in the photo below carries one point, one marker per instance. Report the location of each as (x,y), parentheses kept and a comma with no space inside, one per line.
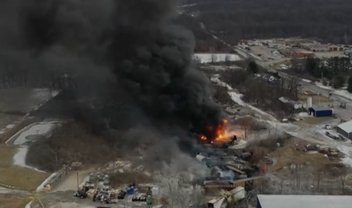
(332,71)
(234,20)
(262,93)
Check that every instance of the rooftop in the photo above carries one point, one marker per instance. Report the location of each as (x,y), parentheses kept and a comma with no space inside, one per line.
(304,201)
(321,108)
(347,126)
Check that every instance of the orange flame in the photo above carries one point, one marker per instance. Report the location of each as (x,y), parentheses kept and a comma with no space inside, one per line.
(220,133)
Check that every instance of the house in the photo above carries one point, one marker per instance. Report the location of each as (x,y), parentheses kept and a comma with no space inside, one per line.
(345,129)
(335,48)
(320,111)
(303,201)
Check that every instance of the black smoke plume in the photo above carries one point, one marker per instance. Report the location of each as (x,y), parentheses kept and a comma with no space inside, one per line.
(133,45)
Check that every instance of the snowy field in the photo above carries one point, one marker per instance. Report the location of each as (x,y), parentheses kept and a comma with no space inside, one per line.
(307,80)
(205,58)
(26,136)
(343,93)
(319,84)
(37,129)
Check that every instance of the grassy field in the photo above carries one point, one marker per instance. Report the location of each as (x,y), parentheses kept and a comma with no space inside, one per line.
(315,120)
(20,177)
(23,178)
(6,155)
(288,155)
(317,99)
(13,202)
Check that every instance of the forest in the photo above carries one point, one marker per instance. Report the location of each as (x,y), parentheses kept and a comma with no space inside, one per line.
(333,71)
(235,20)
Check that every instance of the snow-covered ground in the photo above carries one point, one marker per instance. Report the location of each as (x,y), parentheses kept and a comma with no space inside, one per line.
(19,158)
(314,134)
(22,139)
(219,68)
(45,182)
(216,79)
(303,114)
(237,98)
(307,80)
(205,58)
(29,205)
(343,93)
(319,84)
(347,150)
(35,129)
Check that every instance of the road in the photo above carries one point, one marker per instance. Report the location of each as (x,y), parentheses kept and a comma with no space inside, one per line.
(313,134)
(316,134)
(344,114)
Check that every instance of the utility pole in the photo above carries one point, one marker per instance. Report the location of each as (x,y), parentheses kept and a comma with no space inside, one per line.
(77,182)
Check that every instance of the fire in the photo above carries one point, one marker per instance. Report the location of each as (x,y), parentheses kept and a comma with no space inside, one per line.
(219,131)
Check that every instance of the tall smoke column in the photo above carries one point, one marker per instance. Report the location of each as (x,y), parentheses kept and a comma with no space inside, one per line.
(152,58)
(135,40)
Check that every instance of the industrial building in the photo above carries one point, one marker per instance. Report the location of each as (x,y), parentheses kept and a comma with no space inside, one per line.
(294,104)
(303,201)
(345,129)
(320,111)
(297,53)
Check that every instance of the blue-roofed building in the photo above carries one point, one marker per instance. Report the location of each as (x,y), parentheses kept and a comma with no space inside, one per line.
(320,111)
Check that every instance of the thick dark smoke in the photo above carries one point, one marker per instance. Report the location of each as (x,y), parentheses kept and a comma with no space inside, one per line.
(132,44)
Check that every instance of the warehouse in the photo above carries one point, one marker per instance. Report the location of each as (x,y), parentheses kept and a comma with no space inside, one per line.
(320,111)
(303,201)
(345,129)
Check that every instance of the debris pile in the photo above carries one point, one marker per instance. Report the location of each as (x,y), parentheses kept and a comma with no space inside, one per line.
(331,153)
(98,188)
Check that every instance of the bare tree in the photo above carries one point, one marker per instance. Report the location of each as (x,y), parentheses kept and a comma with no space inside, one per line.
(246,124)
(178,194)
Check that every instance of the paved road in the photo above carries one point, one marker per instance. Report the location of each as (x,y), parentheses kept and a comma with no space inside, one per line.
(344,114)
(312,134)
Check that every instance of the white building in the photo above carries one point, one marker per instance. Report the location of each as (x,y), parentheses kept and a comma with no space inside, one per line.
(303,201)
(345,129)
